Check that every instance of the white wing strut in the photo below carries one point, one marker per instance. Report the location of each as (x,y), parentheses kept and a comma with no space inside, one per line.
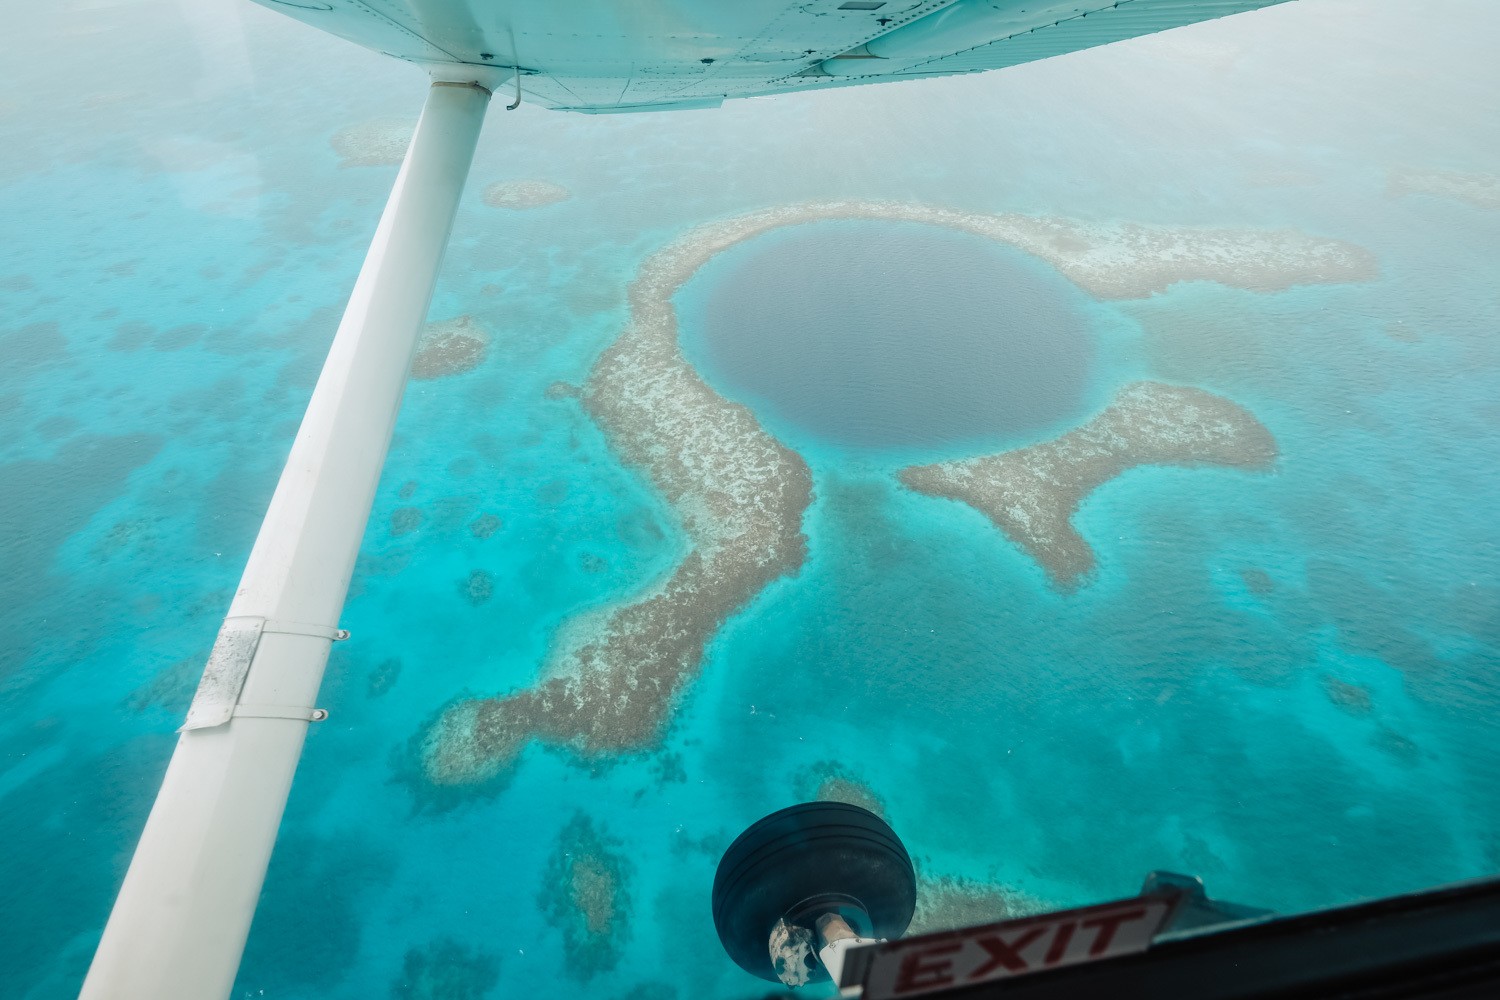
(178,928)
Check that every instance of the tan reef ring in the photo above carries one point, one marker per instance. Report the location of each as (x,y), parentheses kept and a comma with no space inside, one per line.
(614,673)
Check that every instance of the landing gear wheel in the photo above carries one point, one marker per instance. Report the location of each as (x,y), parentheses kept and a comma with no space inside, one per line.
(805,861)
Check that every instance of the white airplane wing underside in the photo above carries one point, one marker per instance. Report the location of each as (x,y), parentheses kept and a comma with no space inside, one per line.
(618,55)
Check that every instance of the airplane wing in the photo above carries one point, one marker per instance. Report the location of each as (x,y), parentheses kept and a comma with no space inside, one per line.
(640,55)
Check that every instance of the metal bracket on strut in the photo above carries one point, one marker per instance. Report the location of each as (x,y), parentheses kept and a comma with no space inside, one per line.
(218,695)
(280,712)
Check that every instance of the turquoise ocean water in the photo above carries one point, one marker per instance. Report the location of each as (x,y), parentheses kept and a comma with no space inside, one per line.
(179,239)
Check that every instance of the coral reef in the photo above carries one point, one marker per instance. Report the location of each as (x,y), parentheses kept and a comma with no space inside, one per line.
(613,674)
(1125,260)
(479,587)
(132,534)
(484,526)
(384,676)
(446,970)
(172,687)
(1257,581)
(1032,493)
(451,347)
(709,845)
(586,896)
(1352,698)
(1388,741)
(453,512)
(405,520)
(669,768)
(376,143)
(831,781)
(1132,260)
(1479,190)
(948,901)
(525,194)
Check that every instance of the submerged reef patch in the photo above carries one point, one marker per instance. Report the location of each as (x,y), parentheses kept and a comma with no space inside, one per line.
(586,895)
(479,586)
(446,970)
(450,513)
(171,687)
(379,142)
(1390,742)
(484,526)
(1352,698)
(650,991)
(525,194)
(1126,260)
(450,347)
(1370,616)
(405,520)
(314,936)
(30,349)
(47,501)
(384,676)
(831,781)
(945,902)
(1479,190)
(1258,581)
(1133,260)
(613,674)
(1032,493)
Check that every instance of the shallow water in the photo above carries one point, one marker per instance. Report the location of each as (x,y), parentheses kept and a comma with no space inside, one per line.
(1283,682)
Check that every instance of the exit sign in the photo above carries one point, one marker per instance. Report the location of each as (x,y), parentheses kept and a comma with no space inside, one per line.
(934,962)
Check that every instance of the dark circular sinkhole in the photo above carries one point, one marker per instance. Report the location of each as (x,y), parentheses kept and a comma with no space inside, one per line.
(877,334)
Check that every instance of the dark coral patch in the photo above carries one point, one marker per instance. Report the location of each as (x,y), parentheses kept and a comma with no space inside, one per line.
(479,587)
(450,513)
(1258,581)
(446,970)
(450,348)
(29,349)
(586,896)
(171,687)
(1352,698)
(831,781)
(405,520)
(485,525)
(384,676)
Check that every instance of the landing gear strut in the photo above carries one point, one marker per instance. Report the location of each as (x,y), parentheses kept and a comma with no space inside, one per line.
(802,885)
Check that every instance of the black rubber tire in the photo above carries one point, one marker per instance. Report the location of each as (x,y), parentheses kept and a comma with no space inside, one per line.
(811,849)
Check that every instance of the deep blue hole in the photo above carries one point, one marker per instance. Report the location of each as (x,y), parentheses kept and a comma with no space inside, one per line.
(890,334)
